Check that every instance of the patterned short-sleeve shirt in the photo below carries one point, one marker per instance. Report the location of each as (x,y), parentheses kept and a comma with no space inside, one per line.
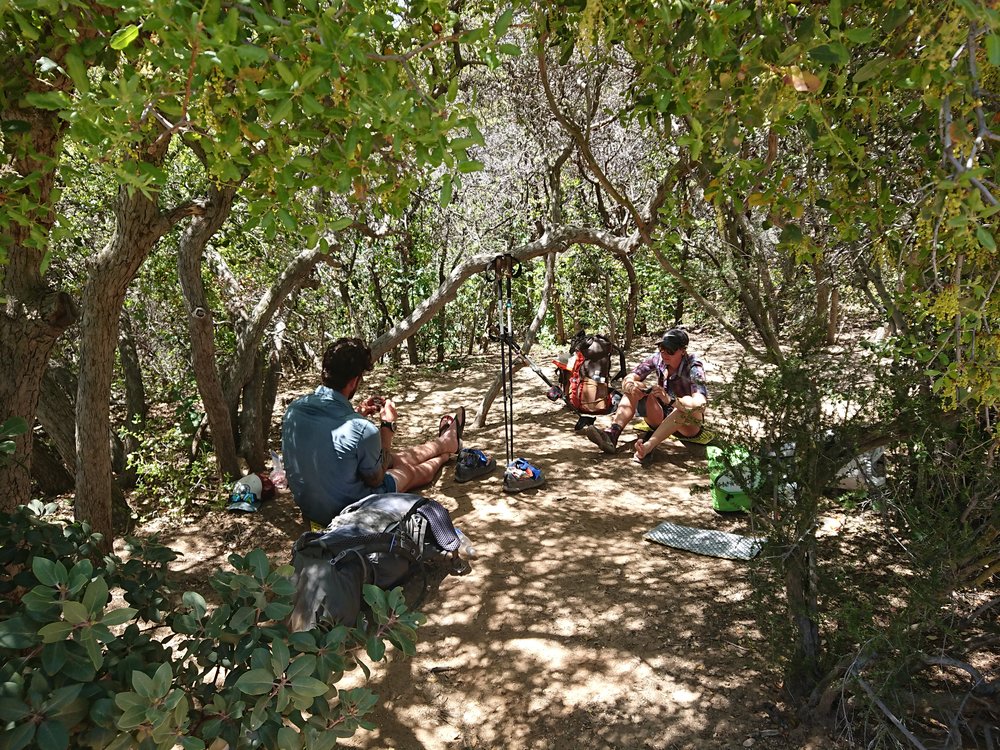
(687,381)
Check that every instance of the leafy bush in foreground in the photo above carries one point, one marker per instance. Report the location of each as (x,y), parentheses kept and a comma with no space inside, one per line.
(80,671)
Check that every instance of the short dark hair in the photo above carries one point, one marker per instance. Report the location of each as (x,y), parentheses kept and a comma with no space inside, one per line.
(674,340)
(344,359)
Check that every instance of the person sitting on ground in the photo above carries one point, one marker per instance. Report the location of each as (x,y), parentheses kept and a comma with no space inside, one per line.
(675,404)
(334,456)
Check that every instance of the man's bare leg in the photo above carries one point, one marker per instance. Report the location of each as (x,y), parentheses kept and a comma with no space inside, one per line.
(680,420)
(411,476)
(417,466)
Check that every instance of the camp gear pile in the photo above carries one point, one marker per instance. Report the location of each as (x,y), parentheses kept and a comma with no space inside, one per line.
(586,376)
(386,540)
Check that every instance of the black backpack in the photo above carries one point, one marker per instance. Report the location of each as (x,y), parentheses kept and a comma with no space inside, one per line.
(386,540)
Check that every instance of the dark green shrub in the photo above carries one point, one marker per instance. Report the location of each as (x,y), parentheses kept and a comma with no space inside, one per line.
(80,671)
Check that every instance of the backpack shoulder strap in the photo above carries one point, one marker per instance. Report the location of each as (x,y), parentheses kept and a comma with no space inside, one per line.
(396,542)
(621,362)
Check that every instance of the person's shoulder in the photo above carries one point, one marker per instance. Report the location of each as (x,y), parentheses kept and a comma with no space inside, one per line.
(695,364)
(299,402)
(363,425)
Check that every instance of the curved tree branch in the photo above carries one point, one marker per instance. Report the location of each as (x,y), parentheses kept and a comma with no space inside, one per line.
(241,367)
(583,146)
(554,239)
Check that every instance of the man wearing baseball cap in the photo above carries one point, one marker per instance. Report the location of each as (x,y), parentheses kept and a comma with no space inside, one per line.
(676,403)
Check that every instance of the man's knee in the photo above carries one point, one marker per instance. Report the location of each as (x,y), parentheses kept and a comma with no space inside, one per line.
(693,417)
(653,411)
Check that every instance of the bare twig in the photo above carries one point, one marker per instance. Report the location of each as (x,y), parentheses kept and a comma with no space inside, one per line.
(407,56)
(582,145)
(889,715)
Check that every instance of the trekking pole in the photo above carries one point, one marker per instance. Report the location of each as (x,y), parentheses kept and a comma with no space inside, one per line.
(520,474)
(501,268)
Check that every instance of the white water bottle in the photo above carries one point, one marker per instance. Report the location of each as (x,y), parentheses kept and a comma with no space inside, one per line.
(465,547)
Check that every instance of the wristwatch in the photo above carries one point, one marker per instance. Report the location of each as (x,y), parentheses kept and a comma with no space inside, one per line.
(390,425)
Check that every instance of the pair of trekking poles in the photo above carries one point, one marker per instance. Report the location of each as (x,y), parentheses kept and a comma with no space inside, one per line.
(520,474)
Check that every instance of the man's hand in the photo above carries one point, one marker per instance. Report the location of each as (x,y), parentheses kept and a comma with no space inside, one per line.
(689,404)
(632,388)
(369,406)
(389,412)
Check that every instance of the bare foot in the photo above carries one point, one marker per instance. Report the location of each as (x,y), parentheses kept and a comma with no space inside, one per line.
(450,431)
(448,436)
(641,451)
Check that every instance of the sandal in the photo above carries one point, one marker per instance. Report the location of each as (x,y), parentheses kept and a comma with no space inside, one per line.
(459,420)
(444,424)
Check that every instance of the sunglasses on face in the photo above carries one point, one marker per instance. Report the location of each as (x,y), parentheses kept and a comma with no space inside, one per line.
(668,350)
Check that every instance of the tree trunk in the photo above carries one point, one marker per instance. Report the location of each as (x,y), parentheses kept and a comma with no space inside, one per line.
(33,315)
(57,412)
(386,320)
(824,287)
(679,304)
(49,470)
(833,321)
(273,373)
(139,225)
(800,589)
(632,305)
(253,435)
(412,350)
(609,310)
(442,318)
(27,336)
(201,327)
(57,415)
(345,297)
(269,397)
(558,311)
(404,252)
(483,335)
(135,393)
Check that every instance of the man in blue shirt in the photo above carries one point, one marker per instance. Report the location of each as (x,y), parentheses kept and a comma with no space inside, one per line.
(334,455)
(675,404)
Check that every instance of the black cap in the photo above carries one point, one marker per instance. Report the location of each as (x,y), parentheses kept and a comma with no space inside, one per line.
(674,339)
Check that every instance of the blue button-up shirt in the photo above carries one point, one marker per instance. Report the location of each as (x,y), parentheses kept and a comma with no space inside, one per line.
(326,447)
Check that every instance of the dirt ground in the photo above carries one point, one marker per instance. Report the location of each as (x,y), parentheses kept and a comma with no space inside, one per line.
(571,631)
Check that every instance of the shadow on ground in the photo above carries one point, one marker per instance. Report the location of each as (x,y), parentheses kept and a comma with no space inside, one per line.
(571,631)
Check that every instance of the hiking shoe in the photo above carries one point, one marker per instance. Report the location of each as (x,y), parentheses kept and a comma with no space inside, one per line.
(601,439)
(472,464)
(521,475)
